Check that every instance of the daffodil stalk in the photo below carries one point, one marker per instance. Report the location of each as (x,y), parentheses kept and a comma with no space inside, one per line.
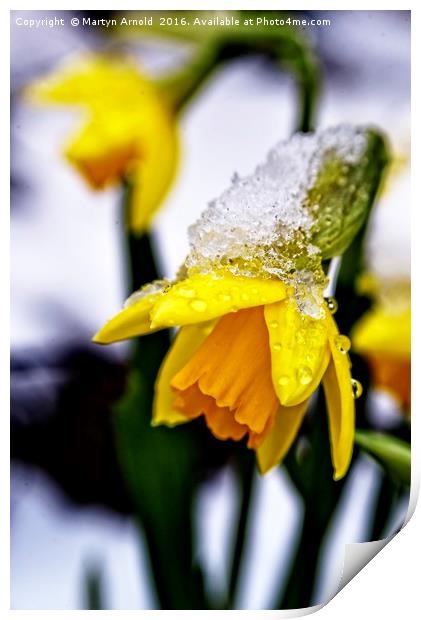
(288,47)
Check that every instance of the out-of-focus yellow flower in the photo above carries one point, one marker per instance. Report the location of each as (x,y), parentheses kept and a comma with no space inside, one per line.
(383,336)
(246,358)
(128,132)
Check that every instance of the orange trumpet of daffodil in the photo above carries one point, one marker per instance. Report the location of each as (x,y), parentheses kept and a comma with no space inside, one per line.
(128,131)
(247,359)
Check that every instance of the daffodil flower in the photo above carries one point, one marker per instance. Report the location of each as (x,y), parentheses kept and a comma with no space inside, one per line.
(383,337)
(256,336)
(128,130)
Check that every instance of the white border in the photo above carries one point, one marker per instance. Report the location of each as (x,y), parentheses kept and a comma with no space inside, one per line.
(388,586)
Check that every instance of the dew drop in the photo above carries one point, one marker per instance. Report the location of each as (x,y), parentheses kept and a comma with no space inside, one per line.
(304,375)
(342,343)
(332,304)
(254,290)
(283,380)
(184,291)
(300,336)
(245,297)
(198,305)
(224,296)
(274,324)
(277,346)
(357,388)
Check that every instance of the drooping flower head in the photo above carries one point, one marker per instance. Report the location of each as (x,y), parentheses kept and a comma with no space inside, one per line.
(257,336)
(128,131)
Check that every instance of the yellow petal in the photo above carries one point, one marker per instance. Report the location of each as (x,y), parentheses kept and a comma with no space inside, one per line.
(278,441)
(185,344)
(340,405)
(132,321)
(382,332)
(202,297)
(130,130)
(156,167)
(93,80)
(299,351)
(105,148)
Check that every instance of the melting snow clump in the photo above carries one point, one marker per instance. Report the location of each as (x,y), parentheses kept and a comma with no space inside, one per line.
(262,224)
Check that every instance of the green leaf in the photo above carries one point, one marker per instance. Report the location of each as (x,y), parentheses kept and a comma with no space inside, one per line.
(342,195)
(394,454)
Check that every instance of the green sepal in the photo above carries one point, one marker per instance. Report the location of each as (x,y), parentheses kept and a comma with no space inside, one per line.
(342,195)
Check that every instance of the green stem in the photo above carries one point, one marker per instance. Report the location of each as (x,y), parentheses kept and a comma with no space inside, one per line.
(386,501)
(93,587)
(246,475)
(289,50)
(312,477)
(299,587)
(158,463)
(178,89)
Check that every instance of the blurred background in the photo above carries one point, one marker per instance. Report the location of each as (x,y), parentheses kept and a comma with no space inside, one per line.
(74,538)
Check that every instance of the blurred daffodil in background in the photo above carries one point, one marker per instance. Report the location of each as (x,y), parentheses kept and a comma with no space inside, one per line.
(128,131)
(257,338)
(383,334)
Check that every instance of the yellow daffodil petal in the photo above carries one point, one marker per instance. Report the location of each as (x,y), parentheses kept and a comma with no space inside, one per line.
(93,80)
(382,332)
(155,170)
(299,351)
(340,405)
(202,297)
(104,149)
(130,131)
(279,439)
(132,321)
(185,344)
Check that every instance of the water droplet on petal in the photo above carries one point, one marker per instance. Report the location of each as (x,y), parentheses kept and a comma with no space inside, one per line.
(342,343)
(224,296)
(254,290)
(332,304)
(304,375)
(274,324)
(245,297)
(300,336)
(198,305)
(357,388)
(283,380)
(184,291)
(277,346)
